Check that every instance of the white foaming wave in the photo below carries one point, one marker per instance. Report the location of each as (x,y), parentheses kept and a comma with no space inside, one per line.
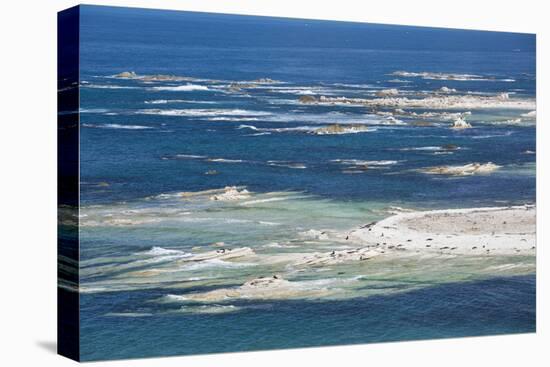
(215,263)
(107,86)
(297,90)
(356,86)
(399,81)
(128,314)
(209,309)
(155,259)
(203,157)
(117,126)
(232,119)
(266,223)
(504,267)
(182,88)
(160,251)
(166,101)
(317,130)
(190,156)
(281,129)
(516,121)
(261,201)
(286,164)
(278,245)
(300,92)
(488,136)
(448,76)
(429,148)
(224,160)
(173,298)
(252,127)
(201,112)
(259,134)
(93,110)
(333,117)
(278,129)
(358,162)
(84,289)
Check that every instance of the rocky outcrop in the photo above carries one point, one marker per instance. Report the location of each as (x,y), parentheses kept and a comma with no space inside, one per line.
(307,99)
(265,81)
(152,78)
(435,101)
(127,75)
(340,129)
(449,147)
(422,123)
(465,170)
(337,257)
(272,287)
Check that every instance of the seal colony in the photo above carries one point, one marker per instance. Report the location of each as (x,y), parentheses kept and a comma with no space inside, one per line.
(329,263)
(475,232)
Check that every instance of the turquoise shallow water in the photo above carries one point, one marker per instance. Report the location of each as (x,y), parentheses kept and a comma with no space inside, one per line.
(148,147)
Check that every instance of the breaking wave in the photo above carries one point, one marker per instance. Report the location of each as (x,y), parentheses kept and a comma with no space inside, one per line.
(117,126)
(201,112)
(166,101)
(182,88)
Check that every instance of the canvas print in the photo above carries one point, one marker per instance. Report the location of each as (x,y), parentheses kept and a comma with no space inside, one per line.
(237,183)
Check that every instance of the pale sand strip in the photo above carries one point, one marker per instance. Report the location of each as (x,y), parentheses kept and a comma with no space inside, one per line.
(499,231)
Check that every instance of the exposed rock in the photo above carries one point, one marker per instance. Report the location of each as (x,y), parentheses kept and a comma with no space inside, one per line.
(273,287)
(503,230)
(163,78)
(336,257)
(422,123)
(275,280)
(236,86)
(307,99)
(340,129)
(465,170)
(127,75)
(449,147)
(437,101)
(152,78)
(265,81)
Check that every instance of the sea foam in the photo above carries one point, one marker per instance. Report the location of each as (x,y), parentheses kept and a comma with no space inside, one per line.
(182,88)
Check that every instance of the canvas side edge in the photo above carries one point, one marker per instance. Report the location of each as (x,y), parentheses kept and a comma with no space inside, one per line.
(68,320)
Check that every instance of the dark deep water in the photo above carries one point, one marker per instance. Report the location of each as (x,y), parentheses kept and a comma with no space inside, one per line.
(488,307)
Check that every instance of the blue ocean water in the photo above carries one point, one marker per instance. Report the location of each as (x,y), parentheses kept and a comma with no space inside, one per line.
(224,126)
